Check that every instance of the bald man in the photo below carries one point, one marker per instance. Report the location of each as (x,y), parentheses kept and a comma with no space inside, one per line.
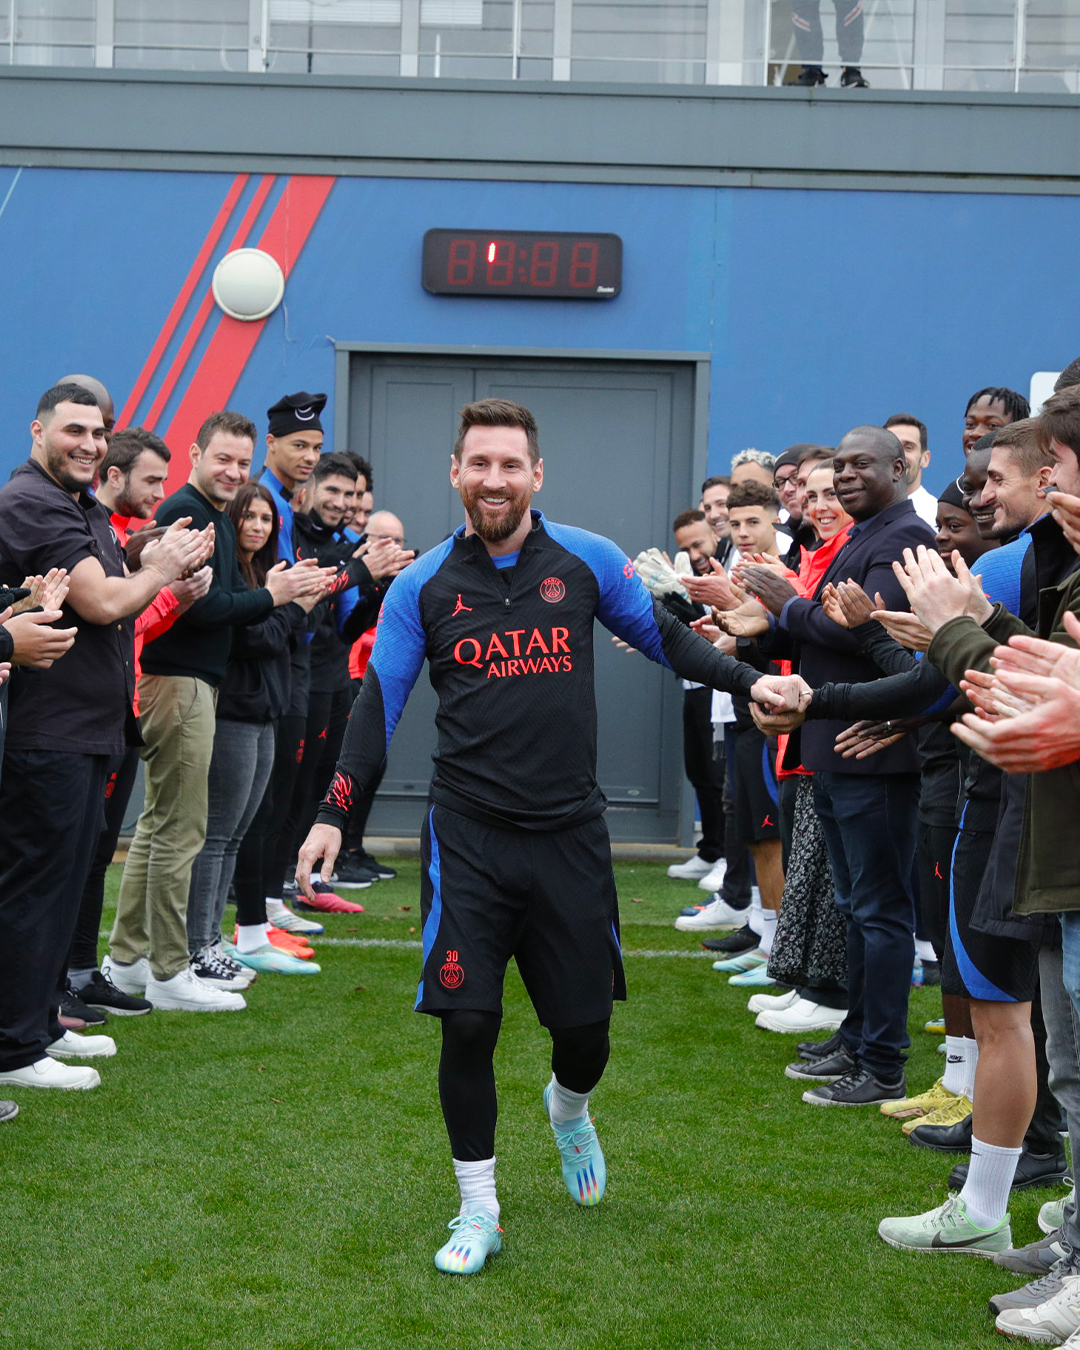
(101,394)
(867,808)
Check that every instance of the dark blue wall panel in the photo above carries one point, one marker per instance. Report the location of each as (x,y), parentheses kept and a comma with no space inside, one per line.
(821,309)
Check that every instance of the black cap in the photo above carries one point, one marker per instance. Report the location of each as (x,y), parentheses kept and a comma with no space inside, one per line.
(953,495)
(296,412)
(788,456)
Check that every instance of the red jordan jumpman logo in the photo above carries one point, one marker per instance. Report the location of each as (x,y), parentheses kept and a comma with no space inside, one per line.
(461,607)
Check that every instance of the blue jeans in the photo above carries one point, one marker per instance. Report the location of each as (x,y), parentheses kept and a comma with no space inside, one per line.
(869,823)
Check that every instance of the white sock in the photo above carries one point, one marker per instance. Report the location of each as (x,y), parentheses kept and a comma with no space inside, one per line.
(251,936)
(971,1054)
(275,905)
(924,950)
(754,920)
(954,1079)
(768,930)
(476,1181)
(567,1105)
(990,1175)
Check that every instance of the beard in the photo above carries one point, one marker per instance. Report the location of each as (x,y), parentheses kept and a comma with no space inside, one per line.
(495,531)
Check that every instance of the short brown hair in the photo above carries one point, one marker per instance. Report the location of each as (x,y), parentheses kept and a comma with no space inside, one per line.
(753,494)
(684,518)
(127,445)
(1024,442)
(231,423)
(498,412)
(1059,419)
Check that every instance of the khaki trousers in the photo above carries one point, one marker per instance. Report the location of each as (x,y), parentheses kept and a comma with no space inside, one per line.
(177,722)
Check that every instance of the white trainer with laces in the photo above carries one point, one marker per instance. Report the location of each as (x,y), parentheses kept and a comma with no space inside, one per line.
(712,881)
(50,1073)
(185,992)
(693,869)
(1051,1323)
(71,1046)
(717,914)
(129,979)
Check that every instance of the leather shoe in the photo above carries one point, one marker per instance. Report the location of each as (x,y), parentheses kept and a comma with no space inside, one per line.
(824,1069)
(1032,1169)
(944,1138)
(817,1049)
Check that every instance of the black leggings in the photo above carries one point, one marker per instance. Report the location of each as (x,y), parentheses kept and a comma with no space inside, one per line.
(579,1056)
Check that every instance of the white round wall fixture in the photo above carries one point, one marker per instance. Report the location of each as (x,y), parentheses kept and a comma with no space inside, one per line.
(248,284)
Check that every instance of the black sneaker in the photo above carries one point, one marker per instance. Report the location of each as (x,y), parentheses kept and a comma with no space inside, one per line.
(824,1069)
(353,875)
(931,972)
(943,1138)
(101,993)
(852,78)
(818,1049)
(811,75)
(743,939)
(73,1005)
(857,1088)
(365,859)
(1032,1169)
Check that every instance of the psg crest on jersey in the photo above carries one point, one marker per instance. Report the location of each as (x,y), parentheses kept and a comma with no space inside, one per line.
(552,590)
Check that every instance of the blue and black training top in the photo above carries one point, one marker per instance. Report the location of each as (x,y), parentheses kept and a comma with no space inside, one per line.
(509,646)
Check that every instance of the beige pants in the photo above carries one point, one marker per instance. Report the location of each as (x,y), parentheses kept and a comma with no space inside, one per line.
(177,721)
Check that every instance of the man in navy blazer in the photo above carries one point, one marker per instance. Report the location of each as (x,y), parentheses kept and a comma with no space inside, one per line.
(867,808)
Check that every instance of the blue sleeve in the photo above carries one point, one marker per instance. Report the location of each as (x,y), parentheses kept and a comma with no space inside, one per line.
(346,603)
(1000,571)
(624,606)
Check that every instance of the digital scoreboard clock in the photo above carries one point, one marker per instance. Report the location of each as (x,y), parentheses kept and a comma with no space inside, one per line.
(516,263)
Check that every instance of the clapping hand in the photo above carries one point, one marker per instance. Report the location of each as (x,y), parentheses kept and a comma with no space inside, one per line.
(935,594)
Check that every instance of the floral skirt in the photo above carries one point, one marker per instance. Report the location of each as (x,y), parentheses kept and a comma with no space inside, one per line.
(810,946)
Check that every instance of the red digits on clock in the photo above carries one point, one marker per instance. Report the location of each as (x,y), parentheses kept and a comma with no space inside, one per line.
(500,262)
(545,259)
(462,264)
(583,266)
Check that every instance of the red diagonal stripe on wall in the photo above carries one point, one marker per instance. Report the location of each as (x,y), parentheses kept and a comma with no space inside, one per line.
(195,329)
(168,328)
(230,347)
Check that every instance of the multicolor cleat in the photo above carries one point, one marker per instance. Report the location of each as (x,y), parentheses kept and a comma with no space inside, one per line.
(475,1238)
(583,1168)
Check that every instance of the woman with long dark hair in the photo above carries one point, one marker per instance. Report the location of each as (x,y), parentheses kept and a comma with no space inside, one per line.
(254,694)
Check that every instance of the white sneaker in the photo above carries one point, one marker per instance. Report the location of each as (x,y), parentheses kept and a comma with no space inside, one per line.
(1051,1323)
(712,881)
(1052,1214)
(802,1015)
(81,1047)
(760,1003)
(690,870)
(717,914)
(185,992)
(129,979)
(50,1073)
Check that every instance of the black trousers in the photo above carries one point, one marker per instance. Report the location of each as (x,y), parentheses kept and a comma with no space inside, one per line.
(324,730)
(52,806)
(704,770)
(257,860)
(119,782)
(357,819)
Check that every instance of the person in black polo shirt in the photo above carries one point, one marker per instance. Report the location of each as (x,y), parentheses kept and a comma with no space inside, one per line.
(64,723)
(182,669)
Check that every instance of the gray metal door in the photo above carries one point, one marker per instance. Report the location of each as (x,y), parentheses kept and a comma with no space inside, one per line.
(616,438)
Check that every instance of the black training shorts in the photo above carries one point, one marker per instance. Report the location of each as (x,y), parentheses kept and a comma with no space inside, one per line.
(755,795)
(977,964)
(545,898)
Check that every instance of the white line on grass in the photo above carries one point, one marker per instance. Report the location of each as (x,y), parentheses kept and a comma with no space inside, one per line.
(413,945)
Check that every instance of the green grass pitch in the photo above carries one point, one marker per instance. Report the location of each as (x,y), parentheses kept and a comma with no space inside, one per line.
(279,1179)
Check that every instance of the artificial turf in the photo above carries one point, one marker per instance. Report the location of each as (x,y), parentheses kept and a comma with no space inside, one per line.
(279,1179)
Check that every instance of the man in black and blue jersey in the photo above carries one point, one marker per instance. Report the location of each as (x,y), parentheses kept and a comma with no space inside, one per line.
(515,854)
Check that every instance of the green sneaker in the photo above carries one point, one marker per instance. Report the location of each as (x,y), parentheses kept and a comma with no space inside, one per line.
(743,961)
(583,1168)
(475,1238)
(1052,1214)
(946,1229)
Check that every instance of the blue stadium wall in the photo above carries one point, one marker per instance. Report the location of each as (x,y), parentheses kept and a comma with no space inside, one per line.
(821,309)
